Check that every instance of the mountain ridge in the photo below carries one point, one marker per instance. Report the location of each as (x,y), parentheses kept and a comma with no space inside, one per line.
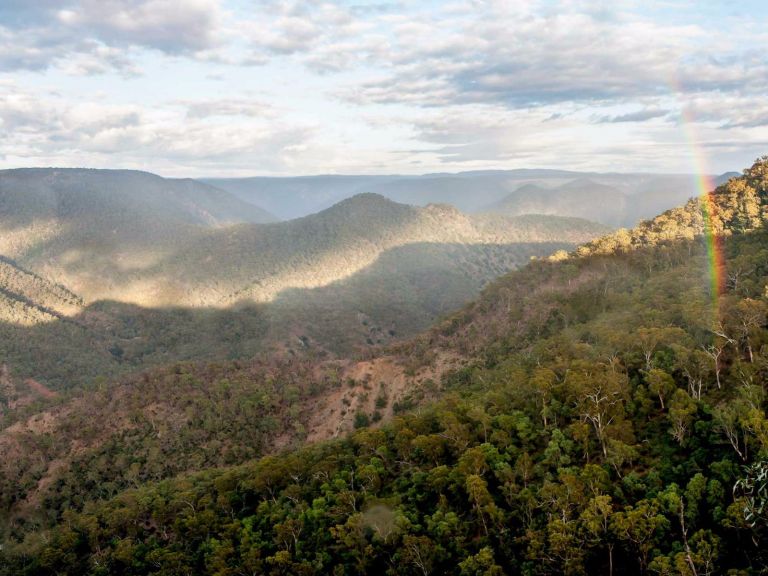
(285,196)
(219,266)
(361,272)
(361,228)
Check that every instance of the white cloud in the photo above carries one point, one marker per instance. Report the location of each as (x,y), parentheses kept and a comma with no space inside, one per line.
(327,36)
(728,111)
(54,131)
(98,33)
(168,25)
(520,58)
(470,83)
(642,115)
(228,107)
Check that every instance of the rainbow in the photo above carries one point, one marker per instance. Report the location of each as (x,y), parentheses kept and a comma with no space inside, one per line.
(705,187)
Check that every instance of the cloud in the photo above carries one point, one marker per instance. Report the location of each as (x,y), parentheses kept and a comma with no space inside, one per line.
(55,131)
(227,107)
(98,34)
(519,58)
(638,116)
(171,26)
(327,36)
(289,35)
(728,111)
(470,83)
(510,52)
(513,53)
(482,135)
(469,136)
(22,13)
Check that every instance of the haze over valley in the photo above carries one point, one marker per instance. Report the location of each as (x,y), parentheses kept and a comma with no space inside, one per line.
(624,199)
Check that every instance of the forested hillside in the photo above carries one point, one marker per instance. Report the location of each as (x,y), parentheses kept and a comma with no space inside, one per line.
(136,238)
(94,230)
(602,411)
(28,299)
(257,263)
(352,277)
(579,197)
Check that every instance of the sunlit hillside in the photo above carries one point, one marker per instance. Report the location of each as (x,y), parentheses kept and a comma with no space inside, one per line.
(358,275)
(28,299)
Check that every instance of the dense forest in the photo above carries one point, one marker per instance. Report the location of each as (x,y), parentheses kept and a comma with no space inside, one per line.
(604,412)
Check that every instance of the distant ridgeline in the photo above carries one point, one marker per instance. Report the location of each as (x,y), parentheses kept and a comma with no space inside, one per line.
(613,199)
(136,238)
(593,414)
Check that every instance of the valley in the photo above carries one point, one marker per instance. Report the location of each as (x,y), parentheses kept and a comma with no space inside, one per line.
(221,284)
(599,381)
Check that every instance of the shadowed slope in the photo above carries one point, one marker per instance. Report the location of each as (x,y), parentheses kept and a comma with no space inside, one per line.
(256,262)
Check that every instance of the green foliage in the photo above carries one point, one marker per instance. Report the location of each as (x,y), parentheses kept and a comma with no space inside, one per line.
(589,430)
(362,420)
(753,488)
(480,483)
(156,425)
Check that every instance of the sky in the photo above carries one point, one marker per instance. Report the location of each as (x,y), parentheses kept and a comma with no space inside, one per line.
(237,88)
